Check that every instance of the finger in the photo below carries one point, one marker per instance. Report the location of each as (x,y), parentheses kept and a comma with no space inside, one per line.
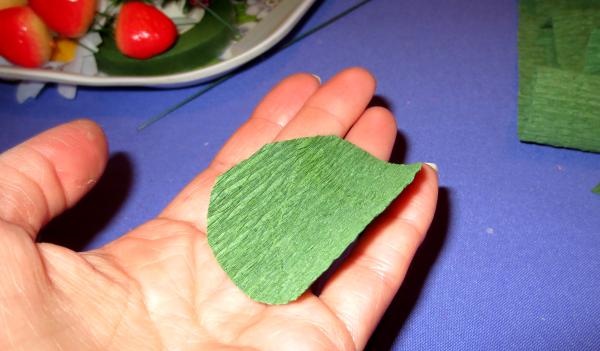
(362,289)
(272,114)
(335,107)
(269,118)
(374,132)
(45,175)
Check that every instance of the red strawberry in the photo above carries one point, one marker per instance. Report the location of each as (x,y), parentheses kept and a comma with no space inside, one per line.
(4,4)
(24,38)
(142,31)
(69,18)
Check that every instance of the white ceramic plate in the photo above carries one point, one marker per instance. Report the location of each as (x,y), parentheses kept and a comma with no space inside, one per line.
(268,32)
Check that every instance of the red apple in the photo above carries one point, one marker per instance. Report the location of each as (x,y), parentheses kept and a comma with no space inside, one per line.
(24,38)
(142,31)
(4,4)
(69,18)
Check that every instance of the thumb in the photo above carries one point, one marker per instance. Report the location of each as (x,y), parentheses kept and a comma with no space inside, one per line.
(49,173)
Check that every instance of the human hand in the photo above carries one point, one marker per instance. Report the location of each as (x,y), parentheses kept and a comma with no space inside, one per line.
(159,287)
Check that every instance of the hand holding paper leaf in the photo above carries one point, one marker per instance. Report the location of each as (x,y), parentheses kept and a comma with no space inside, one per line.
(159,286)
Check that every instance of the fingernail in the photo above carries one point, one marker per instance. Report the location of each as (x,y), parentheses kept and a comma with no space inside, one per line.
(317,77)
(432,165)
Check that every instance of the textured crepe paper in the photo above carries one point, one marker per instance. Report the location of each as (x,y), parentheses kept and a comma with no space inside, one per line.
(572,29)
(592,57)
(546,42)
(564,110)
(277,220)
(536,42)
(536,48)
(540,53)
(560,34)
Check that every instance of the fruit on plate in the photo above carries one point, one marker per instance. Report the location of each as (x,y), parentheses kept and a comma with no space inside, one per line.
(65,50)
(142,31)
(199,46)
(4,4)
(24,38)
(69,18)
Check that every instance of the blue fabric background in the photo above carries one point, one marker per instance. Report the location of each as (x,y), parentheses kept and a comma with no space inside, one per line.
(513,258)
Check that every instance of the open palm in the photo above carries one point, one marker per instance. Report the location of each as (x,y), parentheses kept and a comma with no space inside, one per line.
(159,287)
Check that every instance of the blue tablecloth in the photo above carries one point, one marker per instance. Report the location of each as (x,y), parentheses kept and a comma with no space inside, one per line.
(513,258)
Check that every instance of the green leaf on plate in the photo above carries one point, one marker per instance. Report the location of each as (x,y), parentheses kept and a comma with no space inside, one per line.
(277,220)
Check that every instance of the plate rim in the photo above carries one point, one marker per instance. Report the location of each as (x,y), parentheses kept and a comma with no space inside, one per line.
(195,76)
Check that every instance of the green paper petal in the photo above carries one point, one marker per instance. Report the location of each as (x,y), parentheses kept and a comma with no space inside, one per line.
(277,220)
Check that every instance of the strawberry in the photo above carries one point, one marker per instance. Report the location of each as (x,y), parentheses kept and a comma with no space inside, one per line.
(69,18)
(143,31)
(24,38)
(4,4)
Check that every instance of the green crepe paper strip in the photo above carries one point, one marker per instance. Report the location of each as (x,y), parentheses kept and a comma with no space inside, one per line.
(596,190)
(564,110)
(277,220)
(542,52)
(572,29)
(546,42)
(559,39)
(592,57)
(536,47)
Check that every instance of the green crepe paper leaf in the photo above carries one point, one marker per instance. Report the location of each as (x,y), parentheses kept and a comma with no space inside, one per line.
(277,220)
(564,110)
(596,190)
